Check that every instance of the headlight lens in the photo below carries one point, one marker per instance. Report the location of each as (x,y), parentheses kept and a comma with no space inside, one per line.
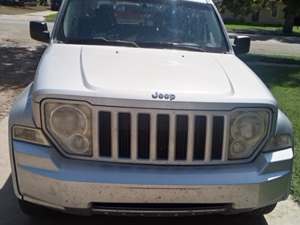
(70,126)
(248,129)
(281,141)
(66,120)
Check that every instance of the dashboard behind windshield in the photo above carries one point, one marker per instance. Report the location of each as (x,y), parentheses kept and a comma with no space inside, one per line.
(155,22)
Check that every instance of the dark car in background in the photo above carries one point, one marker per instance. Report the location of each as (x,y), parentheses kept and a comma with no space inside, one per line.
(55,4)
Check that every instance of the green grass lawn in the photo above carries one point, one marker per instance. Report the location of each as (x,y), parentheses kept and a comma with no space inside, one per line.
(258,28)
(285,86)
(51,17)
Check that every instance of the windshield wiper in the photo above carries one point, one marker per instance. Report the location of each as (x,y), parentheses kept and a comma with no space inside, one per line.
(118,42)
(174,45)
(189,46)
(102,40)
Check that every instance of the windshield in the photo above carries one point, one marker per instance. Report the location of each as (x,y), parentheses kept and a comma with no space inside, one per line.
(143,23)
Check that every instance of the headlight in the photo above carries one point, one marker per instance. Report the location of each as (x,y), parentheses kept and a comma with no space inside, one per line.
(279,142)
(70,126)
(248,129)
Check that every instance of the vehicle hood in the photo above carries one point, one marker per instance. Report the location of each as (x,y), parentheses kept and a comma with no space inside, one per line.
(138,74)
(146,72)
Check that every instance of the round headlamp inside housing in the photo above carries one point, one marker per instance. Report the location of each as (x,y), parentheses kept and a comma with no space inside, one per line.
(247,131)
(70,126)
(66,120)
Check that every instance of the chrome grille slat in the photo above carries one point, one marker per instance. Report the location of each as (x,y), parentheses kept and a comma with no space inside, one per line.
(114,135)
(172,115)
(153,128)
(226,133)
(191,129)
(134,135)
(208,139)
(172,133)
(96,146)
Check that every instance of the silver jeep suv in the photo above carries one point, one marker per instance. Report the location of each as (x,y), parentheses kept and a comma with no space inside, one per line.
(142,107)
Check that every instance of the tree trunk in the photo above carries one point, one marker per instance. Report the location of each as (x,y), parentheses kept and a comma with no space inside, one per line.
(289,24)
(255,16)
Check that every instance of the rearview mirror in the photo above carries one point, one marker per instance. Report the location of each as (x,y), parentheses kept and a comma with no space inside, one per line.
(39,31)
(241,45)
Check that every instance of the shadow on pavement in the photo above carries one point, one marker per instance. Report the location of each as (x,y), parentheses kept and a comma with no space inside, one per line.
(10,215)
(250,58)
(17,69)
(274,76)
(17,66)
(9,209)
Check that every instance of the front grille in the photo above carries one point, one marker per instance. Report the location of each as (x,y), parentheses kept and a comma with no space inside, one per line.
(161,137)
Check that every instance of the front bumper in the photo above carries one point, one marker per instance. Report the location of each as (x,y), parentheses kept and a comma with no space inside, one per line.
(46,178)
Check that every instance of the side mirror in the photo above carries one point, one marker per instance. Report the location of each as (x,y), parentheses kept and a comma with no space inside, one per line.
(241,45)
(39,31)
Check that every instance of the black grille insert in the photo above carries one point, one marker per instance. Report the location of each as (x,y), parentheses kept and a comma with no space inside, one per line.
(181,137)
(199,138)
(217,137)
(105,134)
(143,136)
(163,131)
(124,134)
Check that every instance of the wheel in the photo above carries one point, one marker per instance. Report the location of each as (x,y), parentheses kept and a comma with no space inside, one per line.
(33,210)
(262,211)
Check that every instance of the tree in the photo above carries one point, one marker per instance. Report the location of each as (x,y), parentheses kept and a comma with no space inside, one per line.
(257,6)
(242,8)
(291,11)
(43,2)
(238,8)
